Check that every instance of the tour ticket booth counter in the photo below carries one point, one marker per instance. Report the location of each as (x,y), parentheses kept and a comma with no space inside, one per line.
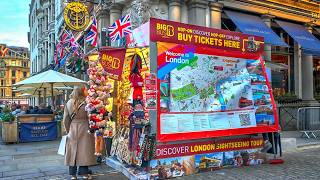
(190,99)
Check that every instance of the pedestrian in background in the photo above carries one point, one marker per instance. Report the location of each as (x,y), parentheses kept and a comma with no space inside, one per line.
(80,144)
(16,109)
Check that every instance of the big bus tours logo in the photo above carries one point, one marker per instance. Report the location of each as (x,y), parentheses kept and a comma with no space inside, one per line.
(76,16)
(110,61)
(165,30)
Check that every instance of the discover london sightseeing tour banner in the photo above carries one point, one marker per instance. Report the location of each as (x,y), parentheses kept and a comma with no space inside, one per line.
(211,83)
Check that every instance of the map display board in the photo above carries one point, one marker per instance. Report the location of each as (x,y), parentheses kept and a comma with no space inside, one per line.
(206,92)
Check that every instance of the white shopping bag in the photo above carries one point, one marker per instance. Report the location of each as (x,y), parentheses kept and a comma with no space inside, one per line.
(62,146)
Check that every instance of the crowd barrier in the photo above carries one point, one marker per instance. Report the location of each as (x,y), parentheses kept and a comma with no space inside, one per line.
(308,121)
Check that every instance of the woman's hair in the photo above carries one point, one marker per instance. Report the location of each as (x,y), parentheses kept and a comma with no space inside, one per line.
(78,96)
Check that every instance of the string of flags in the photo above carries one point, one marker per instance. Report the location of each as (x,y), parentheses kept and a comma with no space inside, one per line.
(67,46)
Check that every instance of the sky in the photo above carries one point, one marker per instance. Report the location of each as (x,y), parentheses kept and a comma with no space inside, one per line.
(14,26)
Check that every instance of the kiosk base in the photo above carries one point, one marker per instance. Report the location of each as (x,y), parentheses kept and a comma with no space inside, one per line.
(127,170)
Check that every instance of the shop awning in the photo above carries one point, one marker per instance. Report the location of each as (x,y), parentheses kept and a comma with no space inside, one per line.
(254,25)
(308,42)
(276,66)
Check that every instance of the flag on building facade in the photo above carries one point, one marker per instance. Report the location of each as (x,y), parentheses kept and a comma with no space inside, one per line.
(92,36)
(120,28)
(62,44)
(62,49)
(74,46)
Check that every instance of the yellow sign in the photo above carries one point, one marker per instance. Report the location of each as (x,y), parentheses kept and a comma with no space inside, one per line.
(3,51)
(76,16)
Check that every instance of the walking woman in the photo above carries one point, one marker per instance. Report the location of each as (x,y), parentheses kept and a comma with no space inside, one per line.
(80,144)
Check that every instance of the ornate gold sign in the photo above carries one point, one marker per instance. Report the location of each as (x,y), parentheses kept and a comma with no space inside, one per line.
(76,16)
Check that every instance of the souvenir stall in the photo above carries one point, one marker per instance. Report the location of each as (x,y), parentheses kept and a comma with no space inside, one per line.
(187,99)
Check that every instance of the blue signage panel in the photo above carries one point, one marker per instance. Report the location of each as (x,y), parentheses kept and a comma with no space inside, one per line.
(38,131)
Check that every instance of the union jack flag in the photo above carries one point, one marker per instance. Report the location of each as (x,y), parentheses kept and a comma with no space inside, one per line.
(74,46)
(63,42)
(92,36)
(120,28)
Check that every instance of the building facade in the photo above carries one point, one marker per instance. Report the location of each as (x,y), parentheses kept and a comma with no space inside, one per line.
(42,34)
(292,70)
(14,67)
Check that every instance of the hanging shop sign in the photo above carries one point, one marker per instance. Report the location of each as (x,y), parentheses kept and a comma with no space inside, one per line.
(169,31)
(76,16)
(112,60)
(3,51)
(206,92)
(186,149)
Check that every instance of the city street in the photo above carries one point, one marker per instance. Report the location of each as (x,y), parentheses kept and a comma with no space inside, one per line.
(167,89)
(39,160)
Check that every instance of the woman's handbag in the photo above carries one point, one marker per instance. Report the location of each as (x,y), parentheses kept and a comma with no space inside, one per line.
(62,146)
(63,142)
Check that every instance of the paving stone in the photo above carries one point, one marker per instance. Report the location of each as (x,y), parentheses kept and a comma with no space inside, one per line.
(53,168)
(26,176)
(57,172)
(11,167)
(20,172)
(38,165)
(6,158)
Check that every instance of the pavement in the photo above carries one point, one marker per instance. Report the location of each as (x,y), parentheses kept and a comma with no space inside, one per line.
(39,160)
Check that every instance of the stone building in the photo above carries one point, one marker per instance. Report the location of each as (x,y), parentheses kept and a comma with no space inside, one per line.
(14,67)
(42,34)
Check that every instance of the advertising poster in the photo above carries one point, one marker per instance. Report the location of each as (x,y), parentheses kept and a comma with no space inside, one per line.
(186,165)
(172,167)
(205,93)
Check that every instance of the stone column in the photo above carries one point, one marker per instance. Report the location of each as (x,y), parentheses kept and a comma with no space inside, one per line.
(115,13)
(267,47)
(215,14)
(197,12)
(297,70)
(307,74)
(175,10)
(103,18)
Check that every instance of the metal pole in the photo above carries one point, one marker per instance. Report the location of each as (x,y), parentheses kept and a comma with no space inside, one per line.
(39,100)
(274,147)
(52,97)
(45,96)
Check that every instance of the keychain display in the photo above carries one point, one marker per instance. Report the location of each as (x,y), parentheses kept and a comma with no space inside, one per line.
(97,99)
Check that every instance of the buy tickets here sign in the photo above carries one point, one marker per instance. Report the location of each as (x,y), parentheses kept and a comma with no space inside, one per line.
(169,31)
(185,149)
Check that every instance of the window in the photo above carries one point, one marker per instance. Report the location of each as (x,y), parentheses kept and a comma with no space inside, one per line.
(2,74)
(2,64)
(13,94)
(13,63)
(24,74)
(13,81)
(3,82)
(3,92)
(13,73)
